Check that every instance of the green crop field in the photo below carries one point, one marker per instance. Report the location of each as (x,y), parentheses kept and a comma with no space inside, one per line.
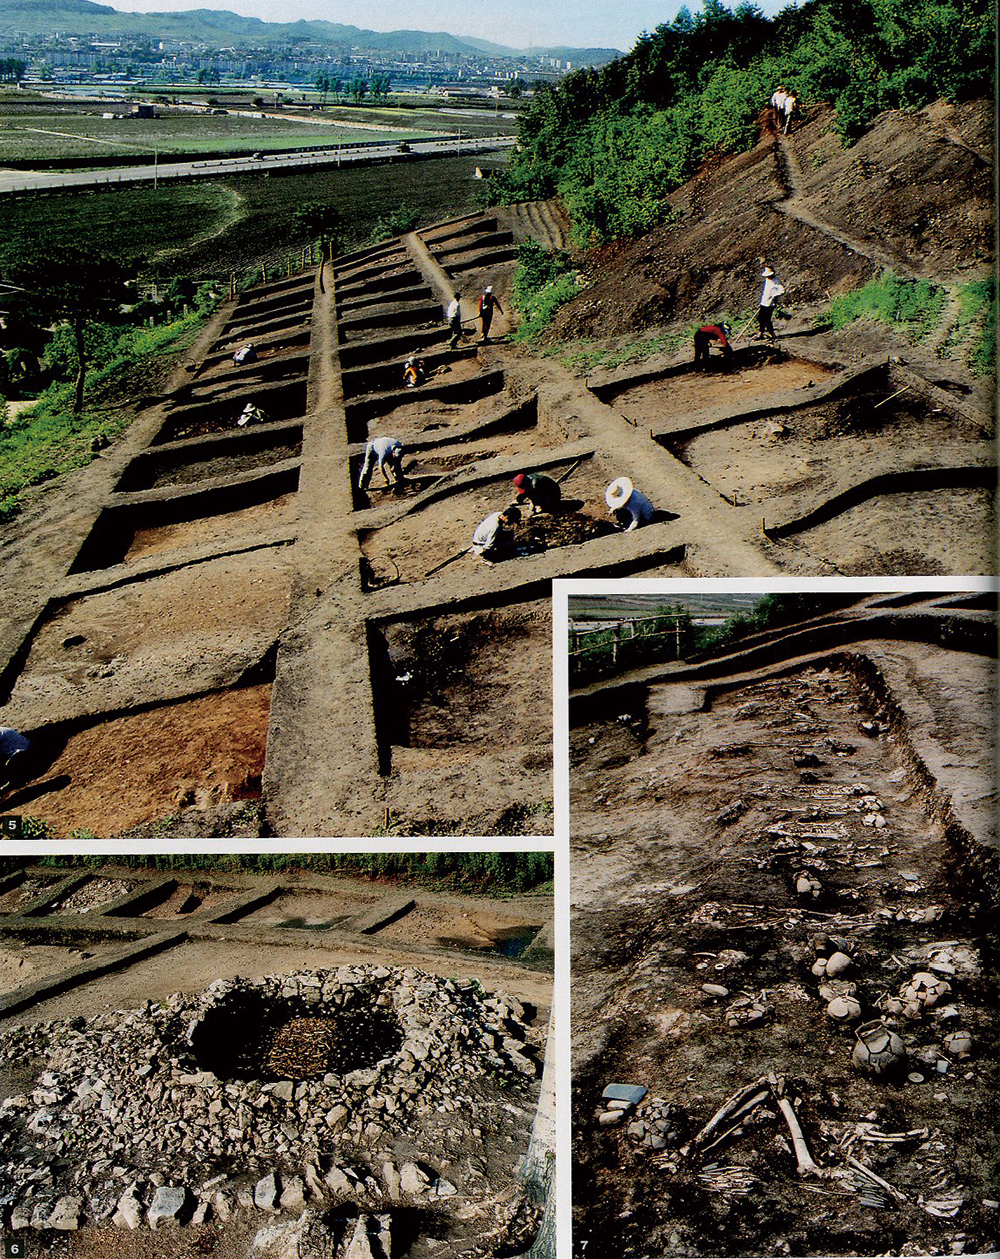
(44,136)
(210,227)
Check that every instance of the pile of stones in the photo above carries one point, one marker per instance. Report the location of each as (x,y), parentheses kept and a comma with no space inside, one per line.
(125,1125)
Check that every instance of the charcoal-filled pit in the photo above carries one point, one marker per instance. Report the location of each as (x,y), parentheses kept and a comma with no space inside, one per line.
(252,1036)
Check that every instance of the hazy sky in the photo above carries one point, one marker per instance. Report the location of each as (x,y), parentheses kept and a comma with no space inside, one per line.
(519,23)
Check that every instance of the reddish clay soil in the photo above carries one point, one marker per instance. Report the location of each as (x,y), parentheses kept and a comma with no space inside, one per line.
(279,513)
(119,773)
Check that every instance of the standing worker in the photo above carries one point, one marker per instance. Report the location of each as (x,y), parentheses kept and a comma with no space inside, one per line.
(539,490)
(791,100)
(487,304)
(494,537)
(778,105)
(773,289)
(629,506)
(387,452)
(454,317)
(703,339)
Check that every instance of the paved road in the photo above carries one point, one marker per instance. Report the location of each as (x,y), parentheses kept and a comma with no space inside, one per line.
(32,181)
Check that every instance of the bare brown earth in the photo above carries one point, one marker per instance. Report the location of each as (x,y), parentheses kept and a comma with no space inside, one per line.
(918,189)
(694,812)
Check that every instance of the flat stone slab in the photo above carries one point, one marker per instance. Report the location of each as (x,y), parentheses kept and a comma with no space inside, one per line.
(632,1093)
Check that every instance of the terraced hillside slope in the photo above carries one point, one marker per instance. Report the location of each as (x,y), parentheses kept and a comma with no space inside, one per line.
(784,882)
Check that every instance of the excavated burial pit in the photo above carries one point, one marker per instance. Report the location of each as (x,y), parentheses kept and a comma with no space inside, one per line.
(929,532)
(418,419)
(296,909)
(394,349)
(105,777)
(416,316)
(210,620)
(23,892)
(350,306)
(444,367)
(264,371)
(685,392)
(244,451)
(278,402)
(751,462)
(428,408)
(467,679)
(268,348)
(253,1037)
(123,535)
(440,528)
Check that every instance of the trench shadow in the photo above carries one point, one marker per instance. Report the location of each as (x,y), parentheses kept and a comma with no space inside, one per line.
(21,796)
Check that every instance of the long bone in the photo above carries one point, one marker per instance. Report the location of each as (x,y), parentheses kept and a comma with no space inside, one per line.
(732,1106)
(804,1160)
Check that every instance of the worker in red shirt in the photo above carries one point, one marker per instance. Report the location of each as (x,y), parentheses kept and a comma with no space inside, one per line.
(704,337)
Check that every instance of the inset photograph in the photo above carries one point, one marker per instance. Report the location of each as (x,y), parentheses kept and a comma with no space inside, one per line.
(337,1055)
(784,888)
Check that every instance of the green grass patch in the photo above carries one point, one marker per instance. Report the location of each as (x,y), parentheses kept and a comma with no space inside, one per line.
(47,440)
(140,221)
(484,872)
(913,306)
(977,324)
(584,357)
(544,280)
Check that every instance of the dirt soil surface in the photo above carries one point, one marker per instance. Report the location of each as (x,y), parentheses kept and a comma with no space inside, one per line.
(278,514)
(150,764)
(458,712)
(695,394)
(23,963)
(166,626)
(692,832)
(226,465)
(918,187)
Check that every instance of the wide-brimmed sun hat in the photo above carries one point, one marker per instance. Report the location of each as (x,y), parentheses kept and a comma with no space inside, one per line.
(618,493)
(766,273)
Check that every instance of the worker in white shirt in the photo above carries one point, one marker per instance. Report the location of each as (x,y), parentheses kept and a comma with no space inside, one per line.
(387,453)
(772,290)
(494,536)
(629,506)
(778,105)
(454,317)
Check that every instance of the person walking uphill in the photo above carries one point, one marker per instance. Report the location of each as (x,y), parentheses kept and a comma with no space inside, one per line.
(773,289)
(454,317)
(487,304)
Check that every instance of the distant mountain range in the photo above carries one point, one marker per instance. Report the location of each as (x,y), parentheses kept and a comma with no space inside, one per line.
(222,29)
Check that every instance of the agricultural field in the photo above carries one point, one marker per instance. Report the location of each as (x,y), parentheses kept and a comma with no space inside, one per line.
(214,226)
(36,134)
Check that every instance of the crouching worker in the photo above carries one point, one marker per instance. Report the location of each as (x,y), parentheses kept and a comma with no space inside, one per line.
(629,506)
(703,339)
(414,371)
(494,538)
(541,492)
(245,354)
(387,453)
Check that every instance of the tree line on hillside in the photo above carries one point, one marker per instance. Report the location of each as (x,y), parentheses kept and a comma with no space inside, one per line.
(615,142)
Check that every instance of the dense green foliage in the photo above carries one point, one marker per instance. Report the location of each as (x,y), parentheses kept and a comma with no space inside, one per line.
(487,872)
(667,635)
(670,635)
(49,438)
(544,279)
(977,322)
(615,142)
(913,305)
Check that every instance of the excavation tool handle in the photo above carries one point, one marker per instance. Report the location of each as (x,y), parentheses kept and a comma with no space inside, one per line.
(450,560)
(572,468)
(744,328)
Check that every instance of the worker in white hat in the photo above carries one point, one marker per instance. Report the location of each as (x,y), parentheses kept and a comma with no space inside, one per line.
(629,506)
(487,304)
(772,290)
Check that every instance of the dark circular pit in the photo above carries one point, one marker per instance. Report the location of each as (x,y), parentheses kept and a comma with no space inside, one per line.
(252,1036)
